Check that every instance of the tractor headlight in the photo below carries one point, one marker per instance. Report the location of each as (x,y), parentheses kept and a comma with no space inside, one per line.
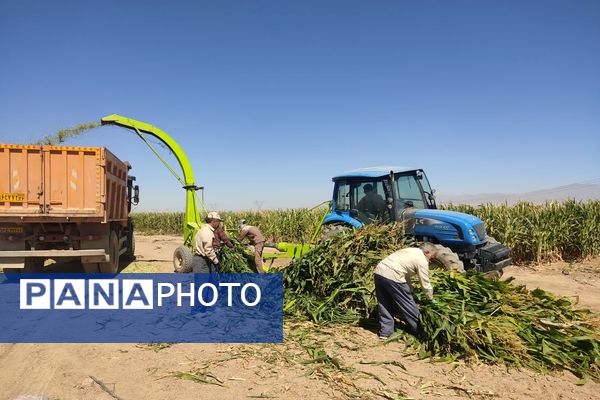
(473,234)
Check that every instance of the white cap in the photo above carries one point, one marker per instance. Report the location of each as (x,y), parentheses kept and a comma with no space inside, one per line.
(214,215)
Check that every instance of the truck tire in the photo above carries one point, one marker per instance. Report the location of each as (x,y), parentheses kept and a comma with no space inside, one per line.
(111,267)
(331,230)
(447,260)
(183,259)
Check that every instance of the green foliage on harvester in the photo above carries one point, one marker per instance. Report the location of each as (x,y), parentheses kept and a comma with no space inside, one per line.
(472,317)
(67,133)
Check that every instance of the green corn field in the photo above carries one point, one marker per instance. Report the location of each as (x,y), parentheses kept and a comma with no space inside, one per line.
(290,225)
(553,231)
(549,232)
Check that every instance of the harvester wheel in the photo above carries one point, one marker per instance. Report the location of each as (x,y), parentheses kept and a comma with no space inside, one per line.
(331,230)
(112,267)
(183,259)
(447,260)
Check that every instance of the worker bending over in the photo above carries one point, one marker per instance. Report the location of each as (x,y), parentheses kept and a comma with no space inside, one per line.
(257,239)
(394,290)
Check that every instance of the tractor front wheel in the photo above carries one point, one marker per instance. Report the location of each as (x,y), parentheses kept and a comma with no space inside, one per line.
(447,259)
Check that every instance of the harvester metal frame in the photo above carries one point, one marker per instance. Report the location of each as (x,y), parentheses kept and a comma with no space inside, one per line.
(193,221)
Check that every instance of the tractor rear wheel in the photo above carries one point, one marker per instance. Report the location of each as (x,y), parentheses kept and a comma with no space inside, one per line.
(183,259)
(447,259)
(331,230)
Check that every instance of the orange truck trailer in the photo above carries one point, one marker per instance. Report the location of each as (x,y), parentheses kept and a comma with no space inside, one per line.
(63,203)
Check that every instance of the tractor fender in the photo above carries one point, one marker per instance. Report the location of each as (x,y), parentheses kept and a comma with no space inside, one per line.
(341,218)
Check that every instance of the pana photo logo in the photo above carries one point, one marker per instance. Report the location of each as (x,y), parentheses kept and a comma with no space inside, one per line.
(132,294)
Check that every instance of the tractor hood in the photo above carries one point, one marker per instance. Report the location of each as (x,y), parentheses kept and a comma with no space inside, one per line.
(449,226)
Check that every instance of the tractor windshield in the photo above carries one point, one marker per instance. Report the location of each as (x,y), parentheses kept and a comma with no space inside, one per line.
(410,192)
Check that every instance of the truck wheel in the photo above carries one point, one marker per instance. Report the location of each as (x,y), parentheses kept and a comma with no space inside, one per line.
(331,230)
(112,267)
(447,260)
(183,259)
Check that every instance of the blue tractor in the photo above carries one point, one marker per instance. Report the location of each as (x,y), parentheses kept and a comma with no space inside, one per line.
(385,194)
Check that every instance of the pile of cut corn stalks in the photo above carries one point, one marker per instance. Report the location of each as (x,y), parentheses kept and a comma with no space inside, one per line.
(495,321)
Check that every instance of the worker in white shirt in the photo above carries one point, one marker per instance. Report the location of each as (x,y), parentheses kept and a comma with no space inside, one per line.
(205,256)
(394,291)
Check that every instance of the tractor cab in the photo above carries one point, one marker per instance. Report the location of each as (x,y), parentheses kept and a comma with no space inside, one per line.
(380,194)
(387,194)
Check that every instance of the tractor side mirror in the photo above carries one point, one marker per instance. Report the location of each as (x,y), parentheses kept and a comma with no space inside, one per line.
(136,195)
(432,195)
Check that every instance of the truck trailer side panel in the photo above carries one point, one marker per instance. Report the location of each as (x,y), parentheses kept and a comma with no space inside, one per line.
(62,182)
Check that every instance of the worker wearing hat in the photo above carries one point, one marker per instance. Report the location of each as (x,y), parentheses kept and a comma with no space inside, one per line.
(205,256)
(393,287)
(257,239)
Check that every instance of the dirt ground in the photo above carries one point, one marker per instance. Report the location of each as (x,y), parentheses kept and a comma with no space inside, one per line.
(359,367)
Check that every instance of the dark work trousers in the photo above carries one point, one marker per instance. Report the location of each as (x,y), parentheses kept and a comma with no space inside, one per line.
(394,297)
(203,265)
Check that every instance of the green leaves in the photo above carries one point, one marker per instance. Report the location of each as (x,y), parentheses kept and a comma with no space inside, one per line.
(335,279)
(472,317)
(64,134)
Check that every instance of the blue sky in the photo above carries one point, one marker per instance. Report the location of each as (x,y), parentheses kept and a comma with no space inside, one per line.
(270,99)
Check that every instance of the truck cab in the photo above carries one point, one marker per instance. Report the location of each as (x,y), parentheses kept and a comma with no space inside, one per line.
(391,193)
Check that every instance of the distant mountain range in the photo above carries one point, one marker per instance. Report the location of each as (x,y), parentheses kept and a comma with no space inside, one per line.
(575,191)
